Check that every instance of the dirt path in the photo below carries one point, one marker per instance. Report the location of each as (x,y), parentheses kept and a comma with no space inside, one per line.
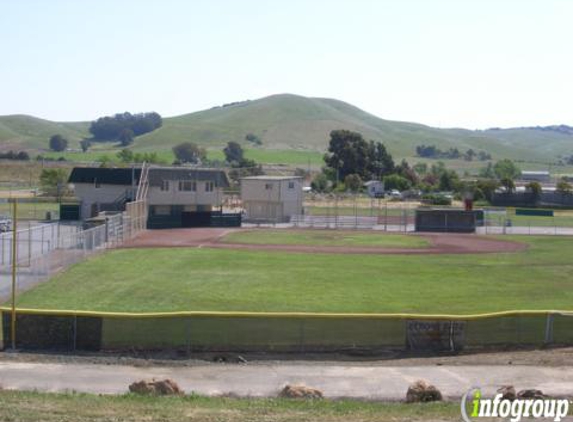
(335,380)
(440,243)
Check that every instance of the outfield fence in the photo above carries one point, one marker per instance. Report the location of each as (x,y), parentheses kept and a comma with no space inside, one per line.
(188,332)
(363,213)
(44,249)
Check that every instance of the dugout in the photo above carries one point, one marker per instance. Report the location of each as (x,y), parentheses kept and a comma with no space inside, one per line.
(448,220)
(176,216)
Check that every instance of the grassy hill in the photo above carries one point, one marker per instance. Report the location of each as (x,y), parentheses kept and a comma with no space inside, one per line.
(288,122)
(28,132)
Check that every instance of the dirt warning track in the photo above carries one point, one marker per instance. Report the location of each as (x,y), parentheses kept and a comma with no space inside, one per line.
(440,243)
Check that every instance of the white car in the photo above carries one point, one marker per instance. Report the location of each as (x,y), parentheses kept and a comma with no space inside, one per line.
(5,224)
(395,194)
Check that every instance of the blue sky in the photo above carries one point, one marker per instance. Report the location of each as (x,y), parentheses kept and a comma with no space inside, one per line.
(463,63)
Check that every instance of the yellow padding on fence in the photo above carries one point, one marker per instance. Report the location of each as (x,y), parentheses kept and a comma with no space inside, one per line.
(514,313)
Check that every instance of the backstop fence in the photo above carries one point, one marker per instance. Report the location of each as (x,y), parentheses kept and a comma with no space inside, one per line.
(46,248)
(188,332)
(357,213)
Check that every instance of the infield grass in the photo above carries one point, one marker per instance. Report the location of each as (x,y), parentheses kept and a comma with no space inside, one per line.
(325,238)
(145,280)
(50,407)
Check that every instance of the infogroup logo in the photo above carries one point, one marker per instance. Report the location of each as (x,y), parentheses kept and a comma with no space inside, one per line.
(474,406)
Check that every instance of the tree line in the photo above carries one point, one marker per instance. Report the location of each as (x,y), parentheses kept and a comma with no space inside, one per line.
(431,151)
(351,161)
(123,127)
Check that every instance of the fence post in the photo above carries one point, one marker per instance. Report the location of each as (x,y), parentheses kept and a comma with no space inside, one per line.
(549,329)
(29,244)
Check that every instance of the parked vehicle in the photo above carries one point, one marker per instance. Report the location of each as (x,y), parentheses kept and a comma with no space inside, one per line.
(5,224)
(395,194)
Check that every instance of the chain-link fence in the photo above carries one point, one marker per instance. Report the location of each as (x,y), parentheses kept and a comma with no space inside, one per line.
(42,249)
(284,332)
(523,221)
(357,212)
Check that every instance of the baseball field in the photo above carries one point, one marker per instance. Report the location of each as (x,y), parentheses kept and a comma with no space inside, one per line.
(316,271)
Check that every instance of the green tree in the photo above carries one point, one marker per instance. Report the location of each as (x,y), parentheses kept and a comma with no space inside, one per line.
(470,154)
(251,137)
(348,153)
(234,154)
(563,187)
(126,137)
(487,172)
(487,187)
(506,169)
(449,181)
(58,143)
(535,189)
(188,152)
(54,182)
(85,144)
(380,162)
(420,168)
(508,184)
(126,156)
(319,183)
(353,182)
(395,181)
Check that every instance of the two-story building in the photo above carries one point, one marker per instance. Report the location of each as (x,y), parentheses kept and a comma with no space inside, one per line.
(176,196)
(271,199)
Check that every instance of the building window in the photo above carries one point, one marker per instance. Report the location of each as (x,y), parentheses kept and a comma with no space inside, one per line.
(187,186)
(209,186)
(291,185)
(165,185)
(162,210)
(268,186)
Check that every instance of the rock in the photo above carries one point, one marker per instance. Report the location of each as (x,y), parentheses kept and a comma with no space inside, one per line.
(507,392)
(229,359)
(300,392)
(530,394)
(421,392)
(155,387)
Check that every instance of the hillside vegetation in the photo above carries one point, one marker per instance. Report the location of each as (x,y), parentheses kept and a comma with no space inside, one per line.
(290,122)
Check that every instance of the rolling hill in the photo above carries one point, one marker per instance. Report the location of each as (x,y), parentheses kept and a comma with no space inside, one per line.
(290,122)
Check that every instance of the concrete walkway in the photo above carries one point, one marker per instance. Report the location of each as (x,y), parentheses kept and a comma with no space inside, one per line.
(265,379)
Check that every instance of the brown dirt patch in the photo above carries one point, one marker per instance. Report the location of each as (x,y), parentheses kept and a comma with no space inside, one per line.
(440,243)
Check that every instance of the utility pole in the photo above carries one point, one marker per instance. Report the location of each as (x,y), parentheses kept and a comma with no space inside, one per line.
(14,260)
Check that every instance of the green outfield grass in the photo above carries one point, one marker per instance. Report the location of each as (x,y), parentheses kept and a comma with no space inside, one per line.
(325,238)
(49,407)
(232,280)
(31,210)
(561,218)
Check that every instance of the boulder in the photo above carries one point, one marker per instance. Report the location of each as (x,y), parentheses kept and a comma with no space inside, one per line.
(507,392)
(300,392)
(421,392)
(166,387)
(530,394)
